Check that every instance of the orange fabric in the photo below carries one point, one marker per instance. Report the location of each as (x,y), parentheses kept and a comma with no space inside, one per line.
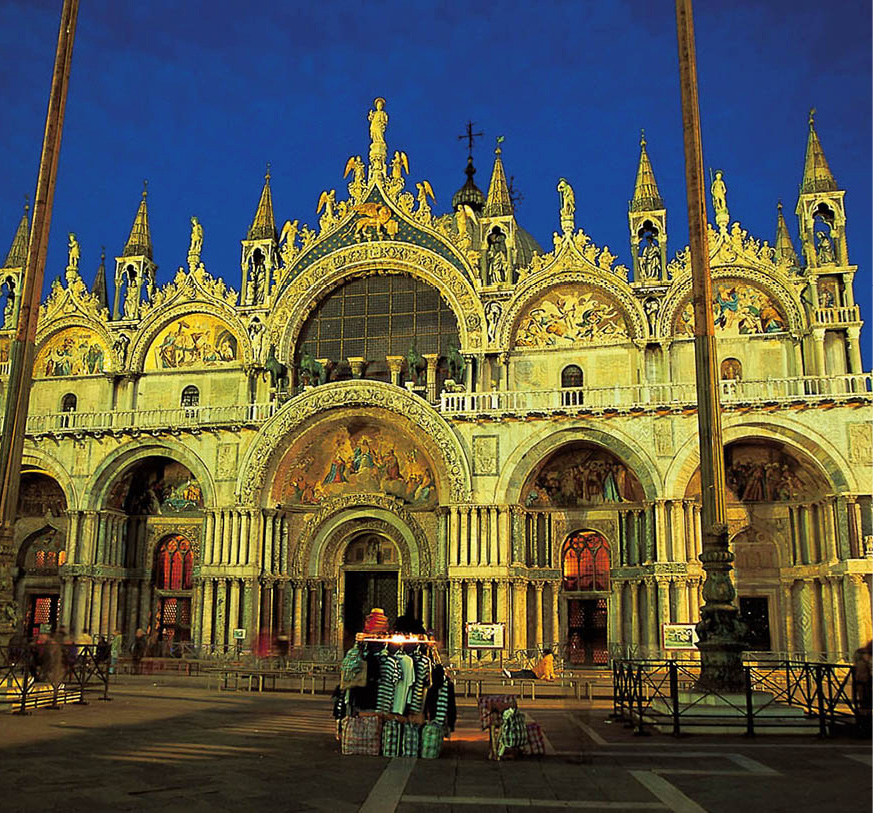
(545,669)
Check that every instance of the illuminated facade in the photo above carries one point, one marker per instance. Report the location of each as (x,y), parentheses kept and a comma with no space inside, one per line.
(401,404)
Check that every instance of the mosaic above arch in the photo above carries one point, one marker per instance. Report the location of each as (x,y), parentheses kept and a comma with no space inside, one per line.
(766,471)
(580,474)
(355,456)
(72,351)
(156,485)
(739,308)
(193,340)
(570,314)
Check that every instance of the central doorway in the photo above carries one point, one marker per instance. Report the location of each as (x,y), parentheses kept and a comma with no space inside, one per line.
(371,570)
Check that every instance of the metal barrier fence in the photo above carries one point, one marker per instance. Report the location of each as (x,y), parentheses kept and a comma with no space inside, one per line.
(32,675)
(664,694)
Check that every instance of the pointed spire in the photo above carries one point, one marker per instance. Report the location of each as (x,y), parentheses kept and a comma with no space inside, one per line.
(17,256)
(784,246)
(140,241)
(817,175)
(99,288)
(646,194)
(264,225)
(498,202)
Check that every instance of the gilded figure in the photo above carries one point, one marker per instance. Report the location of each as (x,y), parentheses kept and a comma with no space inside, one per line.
(73,252)
(196,244)
(378,119)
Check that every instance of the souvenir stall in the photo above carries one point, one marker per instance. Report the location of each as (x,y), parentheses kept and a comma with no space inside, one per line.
(394,696)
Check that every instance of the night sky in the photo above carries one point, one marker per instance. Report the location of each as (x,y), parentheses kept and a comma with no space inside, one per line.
(198,96)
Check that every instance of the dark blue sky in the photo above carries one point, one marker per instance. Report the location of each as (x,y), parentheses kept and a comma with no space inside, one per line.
(198,96)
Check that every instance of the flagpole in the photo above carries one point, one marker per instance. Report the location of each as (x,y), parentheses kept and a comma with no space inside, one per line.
(720,631)
(23,343)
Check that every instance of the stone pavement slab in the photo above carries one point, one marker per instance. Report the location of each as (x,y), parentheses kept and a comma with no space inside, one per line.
(174,745)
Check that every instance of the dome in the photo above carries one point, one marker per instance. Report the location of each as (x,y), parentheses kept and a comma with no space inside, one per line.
(469,193)
(527,246)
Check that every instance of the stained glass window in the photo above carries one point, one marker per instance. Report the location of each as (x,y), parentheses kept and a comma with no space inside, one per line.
(174,564)
(586,562)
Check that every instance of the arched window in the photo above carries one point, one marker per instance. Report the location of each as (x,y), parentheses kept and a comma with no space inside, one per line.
(571,376)
(586,562)
(68,405)
(731,370)
(174,563)
(190,396)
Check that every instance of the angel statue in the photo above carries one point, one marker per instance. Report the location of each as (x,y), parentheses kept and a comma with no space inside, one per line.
(327,201)
(463,217)
(568,205)
(73,252)
(287,240)
(355,165)
(399,163)
(423,213)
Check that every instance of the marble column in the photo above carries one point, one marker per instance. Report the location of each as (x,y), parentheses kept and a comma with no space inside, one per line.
(503,600)
(206,624)
(504,540)
(233,606)
(493,535)
(456,618)
(616,615)
(299,599)
(395,365)
(431,359)
(67,601)
(426,615)
(556,613)
(519,614)
(452,542)
(220,614)
(538,587)
(663,605)
(857,600)
(472,587)
(465,536)
(652,614)
(635,638)
(96,605)
(805,617)
(487,601)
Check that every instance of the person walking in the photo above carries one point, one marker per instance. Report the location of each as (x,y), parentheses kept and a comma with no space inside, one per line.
(138,650)
(114,651)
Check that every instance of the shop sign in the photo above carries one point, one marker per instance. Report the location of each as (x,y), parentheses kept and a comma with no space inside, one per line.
(485,636)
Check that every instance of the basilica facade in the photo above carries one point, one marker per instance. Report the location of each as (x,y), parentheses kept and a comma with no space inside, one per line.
(404,406)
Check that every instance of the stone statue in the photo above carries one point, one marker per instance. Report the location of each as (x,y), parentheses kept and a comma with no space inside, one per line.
(149,279)
(196,243)
(424,211)
(357,187)
(496,257)
(257,279)
(399,163)
(327,201)
(493,312)
(605,259)
(651,308)
(120,348)
(256,337)
(825,248)
(719,200)
(568,205)
(131,295)
(287,240)
(650,259)
(9,309)
(378,119)
(73,252)
(456,363)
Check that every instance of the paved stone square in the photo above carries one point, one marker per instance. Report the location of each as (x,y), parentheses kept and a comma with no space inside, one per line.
(172,744)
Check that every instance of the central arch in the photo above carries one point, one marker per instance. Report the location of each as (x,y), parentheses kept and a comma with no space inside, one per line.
(452,471)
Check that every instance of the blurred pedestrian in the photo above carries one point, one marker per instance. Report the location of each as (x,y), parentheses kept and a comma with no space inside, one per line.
(862,690)
(114,651)
(138,650)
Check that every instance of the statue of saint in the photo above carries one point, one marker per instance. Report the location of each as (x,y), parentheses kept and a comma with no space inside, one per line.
(131,295)
(73,252)
(9,309)
(651,308)
(825,248)
(650,259)
(120,348)
(378,123)
(568,198)
(719,199)
(496,256)
(492,317)
(196,237)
